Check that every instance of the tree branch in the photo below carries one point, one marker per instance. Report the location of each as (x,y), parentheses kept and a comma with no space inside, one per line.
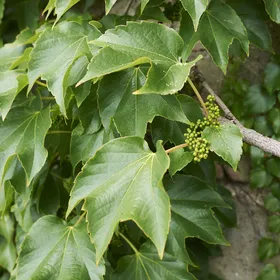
(250,136)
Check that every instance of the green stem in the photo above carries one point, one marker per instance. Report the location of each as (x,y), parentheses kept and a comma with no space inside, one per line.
(129,243)
(47,98)
(59,131)
(176,148)
(198,96)
(41,84)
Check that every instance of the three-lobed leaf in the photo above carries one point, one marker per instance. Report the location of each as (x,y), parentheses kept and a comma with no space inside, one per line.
(145,264)
(122,182)
(55,52)
(218,27)
(54,249)
(142,43)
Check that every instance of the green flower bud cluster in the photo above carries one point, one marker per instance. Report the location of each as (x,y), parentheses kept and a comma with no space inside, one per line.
(196,143)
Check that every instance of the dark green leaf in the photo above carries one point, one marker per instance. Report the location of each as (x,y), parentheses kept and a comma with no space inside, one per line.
(257,102)
(191,203)
(2,6)
(267,248)
(217,29)
(274,118)
(260,178)
(271,203)
(274,223)
(130,112)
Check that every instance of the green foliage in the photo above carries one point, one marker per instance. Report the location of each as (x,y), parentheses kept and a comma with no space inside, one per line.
(96,179)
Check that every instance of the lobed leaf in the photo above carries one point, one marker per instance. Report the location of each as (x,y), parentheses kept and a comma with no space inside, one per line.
(54,249)
(141,43)
(191,215)
(55,52)
(145,264)
(131,113)
(121,182)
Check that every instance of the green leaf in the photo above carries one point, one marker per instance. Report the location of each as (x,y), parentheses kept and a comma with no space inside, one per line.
(272,166)
(257,102)
(145,264)
(260,178)
(2,7)
(273,9)
(178,160)
(55,52)
(254,19)
(11,83)
(166,130)
(143,4)
(272,77)
(60,7)
(121,182)
(54,249)
(191,203)
(272,203)
(274,223)
(217,29)
(141,43)
(23,135)
(130,112)
(226,142)
(269,272)
(108,5)
(195,8)
(7,247)
(274,118)
(267,248)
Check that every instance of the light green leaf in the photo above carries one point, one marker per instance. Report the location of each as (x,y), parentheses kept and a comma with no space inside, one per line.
(11,83)
(195,8)
(54,249)
(23,135)
(121,182)
(60,7)
(191,203)
(274,224)
(217,29)
(2,7)
(140,43)
(145,264)
(273,9)
(226,142)
(267,248)
(131,113)
(178,160)
(55,52)
(7,247)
